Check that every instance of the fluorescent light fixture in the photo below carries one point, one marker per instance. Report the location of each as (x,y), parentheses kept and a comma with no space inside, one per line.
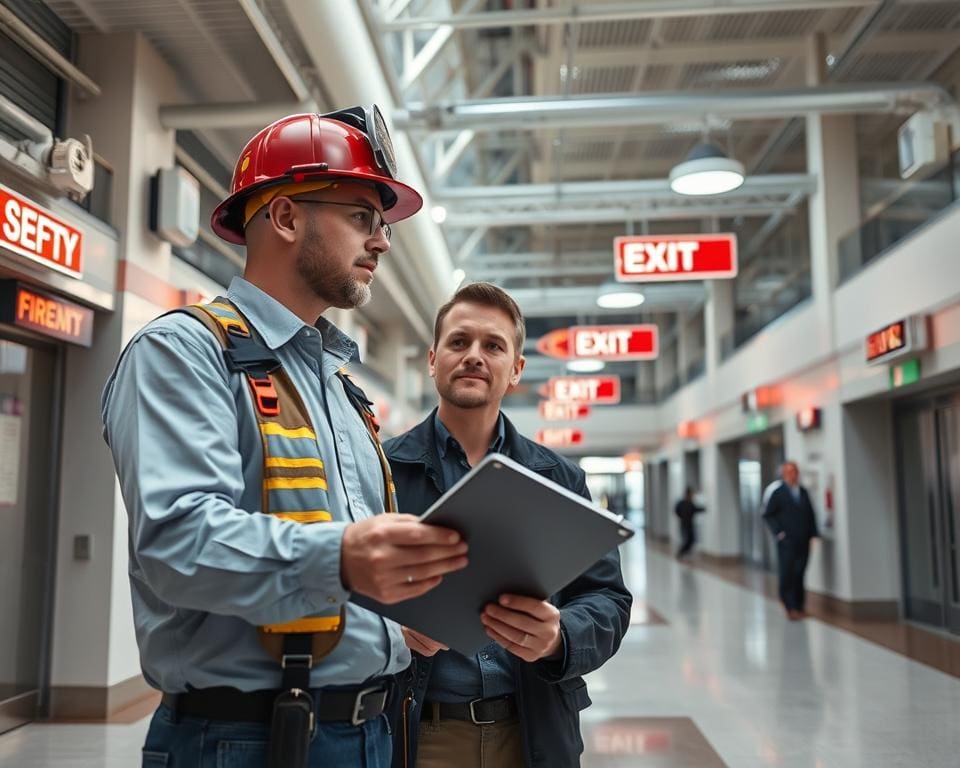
(706,171)
(585,366)
(438,213)
(614,295)
(603,465)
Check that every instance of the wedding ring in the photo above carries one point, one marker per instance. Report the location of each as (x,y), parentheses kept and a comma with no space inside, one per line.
(409,579)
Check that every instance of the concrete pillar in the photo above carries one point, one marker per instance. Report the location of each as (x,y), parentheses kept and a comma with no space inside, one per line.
(834,208)
(718,318)
(720,523)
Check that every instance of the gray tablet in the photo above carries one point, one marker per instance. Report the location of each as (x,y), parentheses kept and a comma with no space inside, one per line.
(527,535)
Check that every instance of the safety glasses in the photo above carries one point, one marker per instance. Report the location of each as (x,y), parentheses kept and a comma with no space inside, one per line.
(371,219)
(370,121)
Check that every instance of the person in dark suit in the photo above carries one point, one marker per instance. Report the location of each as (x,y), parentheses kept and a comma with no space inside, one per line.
(790,517)
(685,510)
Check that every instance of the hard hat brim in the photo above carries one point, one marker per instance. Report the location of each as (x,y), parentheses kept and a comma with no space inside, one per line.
(227,218)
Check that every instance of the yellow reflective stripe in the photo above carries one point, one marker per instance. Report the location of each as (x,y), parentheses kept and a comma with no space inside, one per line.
(308,516)
(286,483)
(309,624)
(270,428)
(276,461)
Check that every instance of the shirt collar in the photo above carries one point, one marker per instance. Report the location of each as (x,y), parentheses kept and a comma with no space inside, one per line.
(277,325)
(446,441)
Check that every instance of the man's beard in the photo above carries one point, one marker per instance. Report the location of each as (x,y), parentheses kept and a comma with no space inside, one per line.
(463,398)
(339,289)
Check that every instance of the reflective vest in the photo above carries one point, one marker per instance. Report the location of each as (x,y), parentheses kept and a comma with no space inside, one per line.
(294,485)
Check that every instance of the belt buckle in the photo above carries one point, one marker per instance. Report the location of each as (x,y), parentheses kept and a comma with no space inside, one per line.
(473,715)
(358,703)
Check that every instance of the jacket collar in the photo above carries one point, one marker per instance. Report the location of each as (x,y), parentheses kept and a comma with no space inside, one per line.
(418,446)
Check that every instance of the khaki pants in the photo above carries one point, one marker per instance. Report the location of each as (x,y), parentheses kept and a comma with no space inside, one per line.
(460,744)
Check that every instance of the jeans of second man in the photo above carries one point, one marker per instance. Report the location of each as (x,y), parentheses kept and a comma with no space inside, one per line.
(190,742)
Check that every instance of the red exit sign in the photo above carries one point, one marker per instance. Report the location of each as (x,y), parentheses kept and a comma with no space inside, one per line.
(599,390)
(898,339)
(559,437)
(652,258)
(602,342)
(551,410)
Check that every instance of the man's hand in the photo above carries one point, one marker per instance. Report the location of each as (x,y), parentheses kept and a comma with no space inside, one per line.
(395,557)
(526,627)
(421,643)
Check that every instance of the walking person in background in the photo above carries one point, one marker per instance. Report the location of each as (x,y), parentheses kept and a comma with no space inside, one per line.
(685,510)
(790,517)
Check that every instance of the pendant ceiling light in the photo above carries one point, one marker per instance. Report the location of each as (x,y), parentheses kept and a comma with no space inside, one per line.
(706,171)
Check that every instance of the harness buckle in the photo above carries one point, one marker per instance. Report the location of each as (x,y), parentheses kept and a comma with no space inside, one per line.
(265,395)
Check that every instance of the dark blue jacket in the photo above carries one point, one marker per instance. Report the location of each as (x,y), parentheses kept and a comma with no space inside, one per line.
(795,519)
(594,613)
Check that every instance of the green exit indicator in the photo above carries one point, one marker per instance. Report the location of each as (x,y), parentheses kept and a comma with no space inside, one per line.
(757,422)
(904,373)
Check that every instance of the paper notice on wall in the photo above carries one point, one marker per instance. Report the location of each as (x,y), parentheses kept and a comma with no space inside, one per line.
(9,458)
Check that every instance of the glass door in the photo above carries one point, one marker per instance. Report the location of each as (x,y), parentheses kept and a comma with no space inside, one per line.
(948,439)
(28,471)
(928,446)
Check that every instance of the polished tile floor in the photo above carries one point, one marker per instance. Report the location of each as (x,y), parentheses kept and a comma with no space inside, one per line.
(710,674)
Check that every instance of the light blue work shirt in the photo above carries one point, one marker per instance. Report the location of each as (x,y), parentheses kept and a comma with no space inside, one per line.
(206,567)
(456,678)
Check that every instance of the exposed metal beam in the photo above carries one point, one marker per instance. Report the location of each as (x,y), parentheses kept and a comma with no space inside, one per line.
(664,107)
(580,215)
(430,50)
(228,115)
(278,52)
(448,157)
(573,12)
(616,192)
(739,51)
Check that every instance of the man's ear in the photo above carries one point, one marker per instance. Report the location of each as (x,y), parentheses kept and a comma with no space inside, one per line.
(517,371)
(283,218)
(431,363)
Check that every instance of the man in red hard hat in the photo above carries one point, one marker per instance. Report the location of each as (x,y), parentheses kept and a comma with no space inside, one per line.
(254,478)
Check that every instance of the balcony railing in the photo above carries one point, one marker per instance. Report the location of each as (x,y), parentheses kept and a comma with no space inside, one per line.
(912,206)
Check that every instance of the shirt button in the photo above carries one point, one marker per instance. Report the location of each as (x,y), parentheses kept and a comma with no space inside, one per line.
(331,599)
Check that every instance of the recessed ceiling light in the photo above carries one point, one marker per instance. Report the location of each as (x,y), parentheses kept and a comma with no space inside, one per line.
(617,296)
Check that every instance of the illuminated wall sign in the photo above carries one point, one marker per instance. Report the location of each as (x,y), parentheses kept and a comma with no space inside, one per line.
(45,313)
(808,418)
(615,342)
(897,339)
(602,342)
(551,410)
(559,437)
(34,232)
(674,257)
(760,398)
(687,430)
(600,390)
(907,372)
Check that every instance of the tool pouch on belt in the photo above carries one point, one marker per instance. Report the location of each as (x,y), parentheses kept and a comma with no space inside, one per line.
(291,730)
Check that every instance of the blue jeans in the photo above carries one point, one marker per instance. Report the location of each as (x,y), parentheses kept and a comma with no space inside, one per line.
(195,743)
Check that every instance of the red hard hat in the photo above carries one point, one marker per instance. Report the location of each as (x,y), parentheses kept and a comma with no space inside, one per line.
(312,147)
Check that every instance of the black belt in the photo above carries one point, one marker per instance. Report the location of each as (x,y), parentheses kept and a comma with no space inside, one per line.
(350,705)
(478,711)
